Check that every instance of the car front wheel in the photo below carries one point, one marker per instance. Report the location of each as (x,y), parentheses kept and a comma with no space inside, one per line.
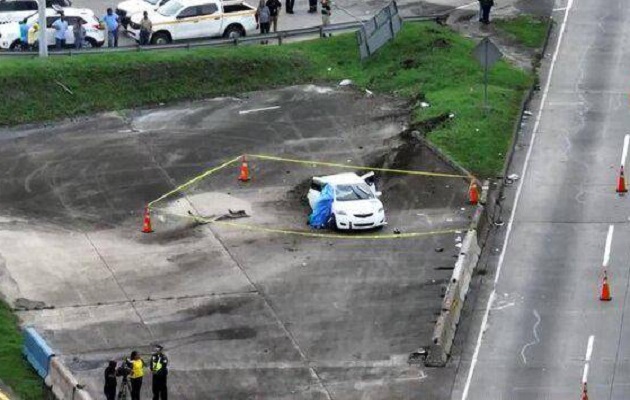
(160,39)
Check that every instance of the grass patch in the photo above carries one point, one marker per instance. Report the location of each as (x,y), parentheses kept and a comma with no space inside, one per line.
(528,30)
(15,371)
(425,61)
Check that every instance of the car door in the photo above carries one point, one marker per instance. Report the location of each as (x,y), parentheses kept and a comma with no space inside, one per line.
(186,25)
(211,20)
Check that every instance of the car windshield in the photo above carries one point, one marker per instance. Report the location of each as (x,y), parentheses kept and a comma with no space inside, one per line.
(359,191)
(170,9)
(153,2)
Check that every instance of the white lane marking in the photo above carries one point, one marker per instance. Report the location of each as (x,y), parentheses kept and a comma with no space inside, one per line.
(585,374)
(589,352)
(466,5)
(624,154)
(609,237)
(536,338)
(484,322)
(258,109)
(589,348)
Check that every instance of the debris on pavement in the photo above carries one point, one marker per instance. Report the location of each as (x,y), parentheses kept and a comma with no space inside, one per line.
(345,82)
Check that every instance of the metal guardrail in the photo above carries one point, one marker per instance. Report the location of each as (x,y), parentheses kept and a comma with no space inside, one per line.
(277,36)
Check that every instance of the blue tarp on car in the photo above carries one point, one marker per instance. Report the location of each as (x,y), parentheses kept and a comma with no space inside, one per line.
(320,217)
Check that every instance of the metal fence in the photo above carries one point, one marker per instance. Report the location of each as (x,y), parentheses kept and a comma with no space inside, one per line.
(379,30)
(279,37)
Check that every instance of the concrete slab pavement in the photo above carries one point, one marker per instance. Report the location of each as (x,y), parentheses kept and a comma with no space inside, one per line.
(241,313)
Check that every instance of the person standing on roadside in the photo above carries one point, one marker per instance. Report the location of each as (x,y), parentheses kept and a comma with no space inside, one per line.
(112,22)
(137,372)
(486,6)
(79,34)
(312,6)
(159,368)
(24,34)
(263,17)
(110,381)
(274,11)
(289,6)
(61,28)
(146,27)
(326,15)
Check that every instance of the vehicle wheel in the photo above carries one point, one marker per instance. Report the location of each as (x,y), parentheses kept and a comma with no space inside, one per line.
(332,223)
(90,42)
(160,38)
(233,32)
(16,46)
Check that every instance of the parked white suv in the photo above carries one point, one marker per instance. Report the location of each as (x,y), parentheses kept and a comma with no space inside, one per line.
(128,8)
(17,10)
(196,19)
(355,203)
(94,33)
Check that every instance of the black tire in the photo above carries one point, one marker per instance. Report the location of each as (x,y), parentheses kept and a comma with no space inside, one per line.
(161,38)
(91,42)
(332,223)
(16,46)
(234,31)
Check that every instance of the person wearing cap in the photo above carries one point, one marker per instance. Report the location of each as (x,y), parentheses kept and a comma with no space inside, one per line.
(159,369)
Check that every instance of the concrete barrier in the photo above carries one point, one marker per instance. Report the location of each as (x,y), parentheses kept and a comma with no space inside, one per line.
(37,351)
(457,289)
(63,384)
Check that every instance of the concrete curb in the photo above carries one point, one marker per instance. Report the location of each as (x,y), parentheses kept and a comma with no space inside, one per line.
(63,384)
(457,288)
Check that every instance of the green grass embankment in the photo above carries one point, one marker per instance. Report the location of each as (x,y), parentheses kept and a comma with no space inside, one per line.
(425,61)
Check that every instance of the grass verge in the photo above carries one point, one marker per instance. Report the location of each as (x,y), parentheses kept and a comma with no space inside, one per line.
(528,30)
(427,62)
(14,369)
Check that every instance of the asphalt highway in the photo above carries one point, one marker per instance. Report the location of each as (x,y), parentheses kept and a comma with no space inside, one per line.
(541,329)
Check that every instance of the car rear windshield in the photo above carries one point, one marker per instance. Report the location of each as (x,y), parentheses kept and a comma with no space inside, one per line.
(353,192)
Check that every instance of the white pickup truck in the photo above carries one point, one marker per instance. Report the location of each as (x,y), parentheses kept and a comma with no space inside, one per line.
(196,19)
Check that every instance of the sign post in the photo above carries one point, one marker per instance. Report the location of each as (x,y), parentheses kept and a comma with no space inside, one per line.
(487,53)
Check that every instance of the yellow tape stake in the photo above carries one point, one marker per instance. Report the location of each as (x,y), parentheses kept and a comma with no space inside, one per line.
(337,165)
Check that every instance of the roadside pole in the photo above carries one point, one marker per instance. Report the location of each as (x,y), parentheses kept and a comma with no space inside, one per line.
(43,44)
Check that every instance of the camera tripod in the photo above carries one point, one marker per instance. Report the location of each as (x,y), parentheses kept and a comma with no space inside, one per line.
(125,389)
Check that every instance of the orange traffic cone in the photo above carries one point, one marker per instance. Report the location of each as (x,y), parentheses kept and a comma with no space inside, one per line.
(146,225)
(473,193)
(584,392)
(605,295)
(621,182)
(244,175)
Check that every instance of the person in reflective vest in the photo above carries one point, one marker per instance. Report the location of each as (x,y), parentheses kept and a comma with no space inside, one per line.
(159,369)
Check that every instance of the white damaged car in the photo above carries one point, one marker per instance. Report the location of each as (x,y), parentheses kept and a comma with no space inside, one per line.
(355,204)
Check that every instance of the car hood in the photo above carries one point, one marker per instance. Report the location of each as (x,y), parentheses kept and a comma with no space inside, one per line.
(134,6)
(154,16)
(358,206)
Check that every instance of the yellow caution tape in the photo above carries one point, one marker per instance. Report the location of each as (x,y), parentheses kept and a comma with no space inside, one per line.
(195,180)
(251,227)
(337,165)
(211,171)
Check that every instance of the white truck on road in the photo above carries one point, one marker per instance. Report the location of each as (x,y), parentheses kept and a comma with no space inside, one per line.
(197,19)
